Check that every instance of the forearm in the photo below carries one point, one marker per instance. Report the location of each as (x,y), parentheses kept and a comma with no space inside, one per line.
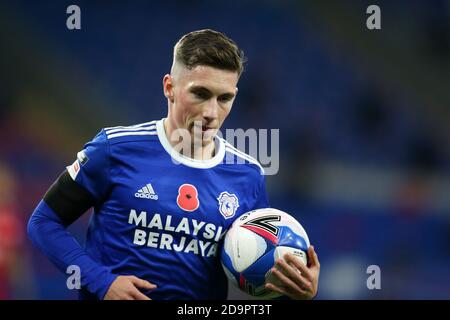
(48,233)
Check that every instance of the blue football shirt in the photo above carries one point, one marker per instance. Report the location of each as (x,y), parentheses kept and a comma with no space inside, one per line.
(162,216)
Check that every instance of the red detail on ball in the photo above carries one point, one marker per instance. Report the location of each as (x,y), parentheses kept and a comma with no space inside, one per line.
(241,281)
(187,198)
(263,233)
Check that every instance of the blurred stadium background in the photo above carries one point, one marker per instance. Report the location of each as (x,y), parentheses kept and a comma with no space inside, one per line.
(364,120)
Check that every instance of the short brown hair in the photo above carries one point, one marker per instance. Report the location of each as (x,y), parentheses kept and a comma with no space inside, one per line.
(210,48)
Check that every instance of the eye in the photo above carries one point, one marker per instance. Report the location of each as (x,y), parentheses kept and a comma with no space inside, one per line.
(225,98)
(201,95)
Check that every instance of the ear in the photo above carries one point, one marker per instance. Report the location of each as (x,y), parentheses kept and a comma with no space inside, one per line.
(168,87)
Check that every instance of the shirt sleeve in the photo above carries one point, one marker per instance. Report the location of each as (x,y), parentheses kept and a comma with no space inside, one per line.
(91,167)
(47,232)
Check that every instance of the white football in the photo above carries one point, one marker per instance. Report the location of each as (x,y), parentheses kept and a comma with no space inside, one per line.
(254,242)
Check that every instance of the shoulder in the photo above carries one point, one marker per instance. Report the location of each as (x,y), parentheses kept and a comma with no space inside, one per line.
(121,134)
(238,157)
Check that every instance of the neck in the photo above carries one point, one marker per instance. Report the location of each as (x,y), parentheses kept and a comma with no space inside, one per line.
(188,149)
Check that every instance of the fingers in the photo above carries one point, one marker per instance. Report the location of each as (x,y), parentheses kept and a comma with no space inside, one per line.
(127,288)
(137,295)
(297,280)
(288,284)
(286,292)
(140,283)
(297,263)
(292,274)
(277,289)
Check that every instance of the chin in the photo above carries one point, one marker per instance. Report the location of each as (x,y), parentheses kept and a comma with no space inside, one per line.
(206,142)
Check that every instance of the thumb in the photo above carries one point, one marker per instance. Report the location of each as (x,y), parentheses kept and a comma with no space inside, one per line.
(314,260)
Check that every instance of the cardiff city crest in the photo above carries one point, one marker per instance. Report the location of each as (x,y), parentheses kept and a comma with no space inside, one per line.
(228,204)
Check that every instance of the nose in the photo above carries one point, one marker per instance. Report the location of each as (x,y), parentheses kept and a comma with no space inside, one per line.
(211,110)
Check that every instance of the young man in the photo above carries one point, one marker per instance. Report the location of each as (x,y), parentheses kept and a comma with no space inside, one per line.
(157,221)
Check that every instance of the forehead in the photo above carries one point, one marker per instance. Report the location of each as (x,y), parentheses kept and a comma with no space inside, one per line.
(215,80)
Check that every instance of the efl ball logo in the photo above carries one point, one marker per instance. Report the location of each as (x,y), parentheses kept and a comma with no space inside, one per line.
(187,198)
(228,204)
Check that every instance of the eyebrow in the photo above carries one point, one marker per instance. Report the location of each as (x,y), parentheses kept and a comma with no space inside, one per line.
(206,90)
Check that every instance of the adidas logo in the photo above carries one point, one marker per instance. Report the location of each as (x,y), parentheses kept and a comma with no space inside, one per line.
(146,192)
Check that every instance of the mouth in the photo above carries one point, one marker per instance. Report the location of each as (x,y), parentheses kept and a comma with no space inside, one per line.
(206,128)
(203,128)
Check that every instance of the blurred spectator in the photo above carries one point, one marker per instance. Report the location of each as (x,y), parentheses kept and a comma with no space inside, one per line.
(11,231)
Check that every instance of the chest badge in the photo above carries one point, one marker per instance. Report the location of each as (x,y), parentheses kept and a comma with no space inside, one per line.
(187,198)
(228,204)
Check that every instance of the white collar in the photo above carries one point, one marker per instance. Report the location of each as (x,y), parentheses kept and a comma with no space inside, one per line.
(179,158)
